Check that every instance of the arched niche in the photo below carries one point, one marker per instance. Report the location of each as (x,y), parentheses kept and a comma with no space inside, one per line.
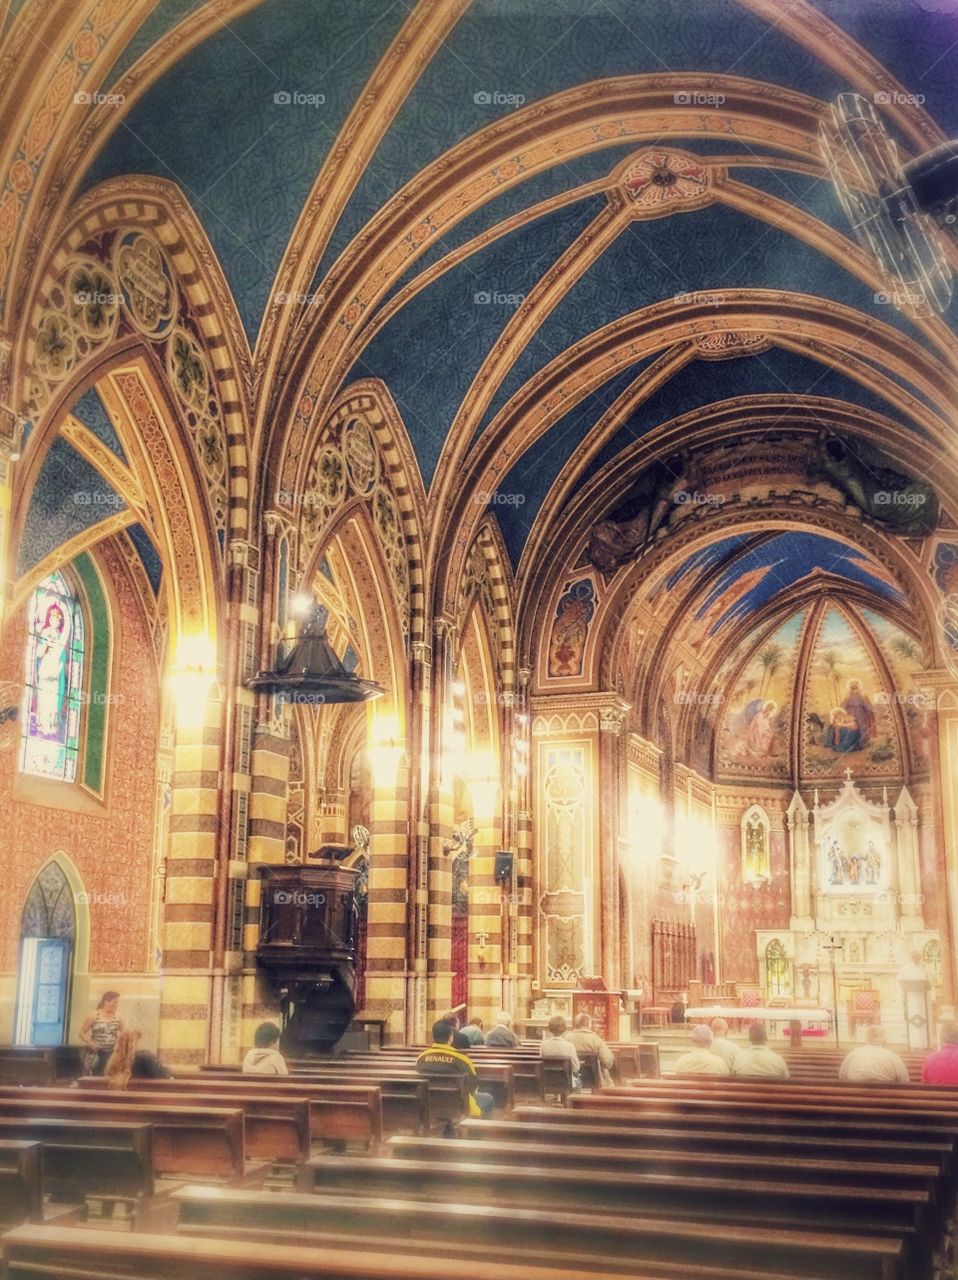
(53,954)
(756,846)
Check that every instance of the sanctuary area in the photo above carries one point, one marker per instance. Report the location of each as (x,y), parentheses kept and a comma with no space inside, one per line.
(478,636)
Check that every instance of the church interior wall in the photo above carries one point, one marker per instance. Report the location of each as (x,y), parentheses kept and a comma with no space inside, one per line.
(110,843)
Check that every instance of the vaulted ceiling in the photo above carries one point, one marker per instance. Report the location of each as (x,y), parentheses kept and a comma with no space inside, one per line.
(562,235)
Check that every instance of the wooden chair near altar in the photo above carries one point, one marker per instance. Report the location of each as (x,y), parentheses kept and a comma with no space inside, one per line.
(864,1007)
(748,995)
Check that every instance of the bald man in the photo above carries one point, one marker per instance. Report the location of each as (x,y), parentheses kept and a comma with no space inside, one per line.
(700,1060)
(722,1045)
(873,1063)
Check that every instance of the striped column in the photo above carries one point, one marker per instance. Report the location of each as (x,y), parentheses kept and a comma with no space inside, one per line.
(441,816)
(388,914)
(190,868)
(523,904)
(269,765)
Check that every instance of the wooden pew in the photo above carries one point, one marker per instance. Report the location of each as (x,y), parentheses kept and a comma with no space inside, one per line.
(198,1142)
(21,1191)
(505,1080)
(447,1094)
(276,1127)
(906,1214)
(575,1129)
(543,1154)
(337,1113)
(404,1100)
(52,1253)
(614,1244)
(83,1158)
(30,1064)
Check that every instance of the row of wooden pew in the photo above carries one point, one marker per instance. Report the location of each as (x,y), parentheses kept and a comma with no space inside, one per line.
(657,1179)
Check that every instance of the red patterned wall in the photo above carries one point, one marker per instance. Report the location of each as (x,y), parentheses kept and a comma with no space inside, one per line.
(113,850)
(746,907)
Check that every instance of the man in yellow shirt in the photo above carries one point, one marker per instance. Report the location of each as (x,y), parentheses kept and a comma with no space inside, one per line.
(441,1059)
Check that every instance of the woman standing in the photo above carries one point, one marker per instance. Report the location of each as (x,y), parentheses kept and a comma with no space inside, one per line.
(100,1033)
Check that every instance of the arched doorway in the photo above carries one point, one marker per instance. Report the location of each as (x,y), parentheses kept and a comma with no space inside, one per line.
(48,934)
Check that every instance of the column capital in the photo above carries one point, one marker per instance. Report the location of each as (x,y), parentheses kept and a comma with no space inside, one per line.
(421,651)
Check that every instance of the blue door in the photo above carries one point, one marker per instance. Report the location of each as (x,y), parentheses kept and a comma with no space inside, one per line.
(44,988)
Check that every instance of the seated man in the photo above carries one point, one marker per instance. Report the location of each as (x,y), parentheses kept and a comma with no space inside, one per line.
(700,1060)
(872,1063)
(585,1040)
(443,1060)
(721,1044)
(942,1067)
(554,1045)
(501,1036)
(264,1059)
(473,1031)
(758,1059)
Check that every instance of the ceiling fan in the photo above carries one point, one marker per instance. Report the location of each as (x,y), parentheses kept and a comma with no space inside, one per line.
(898,211)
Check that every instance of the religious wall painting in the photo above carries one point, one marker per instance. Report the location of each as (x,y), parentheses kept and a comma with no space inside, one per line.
(53,682)
(847,721)
(906,660)
(756,717)
(570,629)
(852,837)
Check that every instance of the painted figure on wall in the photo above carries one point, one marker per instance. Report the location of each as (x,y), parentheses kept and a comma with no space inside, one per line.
(858,706)
(842,733)
(570,630)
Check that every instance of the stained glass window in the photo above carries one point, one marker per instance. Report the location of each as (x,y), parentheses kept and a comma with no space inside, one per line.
(53,682)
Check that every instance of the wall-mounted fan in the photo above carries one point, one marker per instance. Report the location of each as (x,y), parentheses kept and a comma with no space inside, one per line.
(893,207)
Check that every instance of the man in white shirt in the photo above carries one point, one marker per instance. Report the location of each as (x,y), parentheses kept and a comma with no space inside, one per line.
(721,1044)
(264,1059)
(872,1063)
(585,1040)
(758,1060)
(554,1045)
(700,1060)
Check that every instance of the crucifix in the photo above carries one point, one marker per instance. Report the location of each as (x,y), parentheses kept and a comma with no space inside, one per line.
(481,939)
(831,946)
(848,775)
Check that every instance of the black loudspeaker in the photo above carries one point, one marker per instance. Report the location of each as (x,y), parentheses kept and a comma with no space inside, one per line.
(504,863)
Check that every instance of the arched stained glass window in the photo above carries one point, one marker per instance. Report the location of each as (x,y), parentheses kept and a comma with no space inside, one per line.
(53,682)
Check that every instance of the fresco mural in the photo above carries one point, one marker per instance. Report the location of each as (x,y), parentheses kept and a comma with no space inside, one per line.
(754,735)
(570,629)
(905,660)
(847,720)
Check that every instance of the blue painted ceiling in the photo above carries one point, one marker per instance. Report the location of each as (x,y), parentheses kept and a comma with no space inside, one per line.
(247,161)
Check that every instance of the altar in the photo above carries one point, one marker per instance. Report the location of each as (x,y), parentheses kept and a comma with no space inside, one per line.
(856,914)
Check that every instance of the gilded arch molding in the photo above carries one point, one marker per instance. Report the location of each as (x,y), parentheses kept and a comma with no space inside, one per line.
(150,255)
